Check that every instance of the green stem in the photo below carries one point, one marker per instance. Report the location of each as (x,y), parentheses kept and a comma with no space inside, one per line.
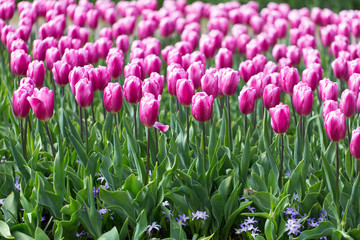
(281,160)
(254,115)
(147,156)
(357,167)
(294,113)
(80,122)
(229,122)
(86,132)
(93,113)
(204,144)
(187,125)
(116,125)
(245,122)
(50,140)
(337,195)
(22,137)
(135,121)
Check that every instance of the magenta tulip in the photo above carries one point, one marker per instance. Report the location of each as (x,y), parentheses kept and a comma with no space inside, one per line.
(340,68)
(348,103)
(329,106)
(271,96)
(202,106)
(52,55)
(185,91)
(289,78)
(172,77)
(259,81)
(195,72)
(122,43)
(355,143)
(246,70)
(132,89)
(19,62)
(224,58)
(152,64)
(279,51)
(42,103)
(302,99)
(354,83)
(36,71)
(20,103)
(151,85)
(229,81)
(335,125)
(115,63)
(149,110)
(280,118)
(61,71)
(247,100)
(84,94)
(328,90)
(113,97)
(209,84)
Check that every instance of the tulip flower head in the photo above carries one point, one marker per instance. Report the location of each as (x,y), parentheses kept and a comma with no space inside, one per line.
(280,118)
(303,99)
(113,97)
(202,106)
(348,103)
(335,125)
(42,103)
(355,143)
(247,100)
(84,94)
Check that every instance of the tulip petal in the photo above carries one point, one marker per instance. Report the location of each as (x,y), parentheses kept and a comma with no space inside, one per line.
(161,127)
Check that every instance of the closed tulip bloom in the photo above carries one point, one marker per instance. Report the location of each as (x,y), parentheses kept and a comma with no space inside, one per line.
(151,85)
(19,44)
(202,106)
(113,97)
(207,46)
(185,91)
(160,79)
(279,51)
(247,100)
(310,77)
(256,23)
(358,103)
(122,43)
(329,90)
(270,67)
(303,99)
(103,80)
(229,81)
(172,77)
(293,53)
(71,56)
(52,55)
(149,109)
(115,63)
(132,89)
(229,43)
(75,75)
(84,94)
(27,84)
(209,84)
(93,56)
(195,72)
(259,81)
(348,103)
(103,46)
(340,68)
(224,58)
(252,49)
(295,34)
(328,34)
(20,104)
(329,106)
(280,118)
(271,96)
(42,103)
(289,78)
(355,143)
(259,62)
(133,69)
(167,26)
(36,71)
(335,125)
(19,62)
(354,83)
(152,64)
(241,43)
(92,17)
(61,71)
(246,70)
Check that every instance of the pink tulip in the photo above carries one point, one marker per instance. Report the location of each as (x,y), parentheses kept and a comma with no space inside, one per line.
(122,43)
(103,80)
(149,110)
(280,118)
(209,84)
(93,56)
(185,91)
(36,71)
(246,70)
(92,18)
(270,67)
(19,62)
(340,68)
(252,49)
(20,104)
(348,103)
(329,106)
(195,72)
(27,84)
(229,81)
(207,46)
(247,100)
(358,103)
(133,69)
(152,64)
(256,23)
(19,44)
(259,82)
(202,106)
(75,75)
(259,62)
(303,99)
(106,33)
(115,63)
(279,51)
(289,78)
(42,103)
(224,58)
(354,83)
(229,43)
(294,36)
(271,96)
(242,42)
(61,72)
(328,90)
(167,26)
(132,89)
(355,143)
(172,77)
(103,46)
(335,126)
(113,97)
(146,28)
(174,56)
(52,55)
(151,85)
(328,34)
(311,78)
(293,53)
(84,94)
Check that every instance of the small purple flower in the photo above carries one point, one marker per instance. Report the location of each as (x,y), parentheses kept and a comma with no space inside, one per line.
(100,178)
(287,173)
(250,221)
(182,219)
(106,186)
(199,215)
(154,225)
(103,211)
(17,185)
(3,158)
(2,201)
(296,197)
(292,212)
(82,233)
(165,203)
(43,219)
(251,209)
(312,223)
(293,226)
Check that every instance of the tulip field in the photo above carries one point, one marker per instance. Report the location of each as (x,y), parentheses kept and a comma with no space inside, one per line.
(178,120)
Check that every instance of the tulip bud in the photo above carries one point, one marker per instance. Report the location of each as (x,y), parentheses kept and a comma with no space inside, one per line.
(270,67)
(280,118)
(340,68)
(166,26)
(259,62)
(103,80)
(289,78)
(122,43)
(146,28)
(151,85)
(202,106)
(185,91)
(302,99)
(52,55)
(132,89)
(252,49)
(103,46)
(19,62)
(242,42)
(27,84)
(329,106)
(115,63)
(279,51)
(328,90)
(335,126)
(172,77)
(271,96)
(310,77)
(293,53)
(93,56)
(61,72)
(20,104)
(224,58)
(246,70)
(209,84)
(195,72)
(358,103)
(84,94)
(229,43)
(36,71)
(152,64)
(229,81)
(42,103)
(92,18)
(133,69)
(348,103)
(247,100)
(354,83)
(259,81)
(355,143)
(207,46)
(149,109)
(113,97)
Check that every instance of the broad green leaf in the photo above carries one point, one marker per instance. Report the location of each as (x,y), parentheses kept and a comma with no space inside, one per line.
(110,235)
(5,230)
(322,230)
